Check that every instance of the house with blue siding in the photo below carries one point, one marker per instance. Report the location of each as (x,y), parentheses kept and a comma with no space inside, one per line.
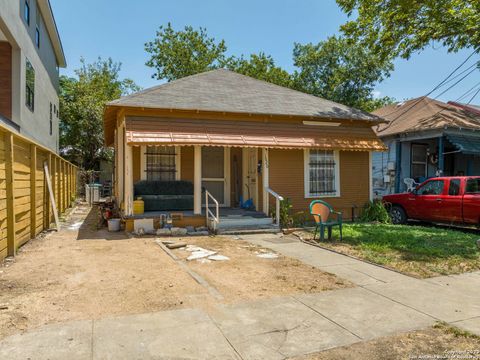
(425,138)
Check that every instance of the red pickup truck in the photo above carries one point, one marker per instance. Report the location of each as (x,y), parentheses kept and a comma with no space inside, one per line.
(452,200)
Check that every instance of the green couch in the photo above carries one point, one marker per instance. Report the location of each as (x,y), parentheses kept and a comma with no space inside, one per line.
(165,195)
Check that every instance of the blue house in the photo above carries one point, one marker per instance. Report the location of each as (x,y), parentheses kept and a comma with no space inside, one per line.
(425,138)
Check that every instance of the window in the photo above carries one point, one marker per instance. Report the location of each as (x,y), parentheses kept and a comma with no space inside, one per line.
(37,37)
(160,163)
(30,85)
(26,12)
(51,120)
(419,161)
(473,186)
(434,187)
(321,173)
(454,188)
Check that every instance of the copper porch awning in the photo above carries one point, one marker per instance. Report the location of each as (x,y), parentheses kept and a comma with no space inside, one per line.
(161,131)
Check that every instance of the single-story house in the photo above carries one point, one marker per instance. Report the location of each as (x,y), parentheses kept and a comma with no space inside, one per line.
(425,138)
(239,138)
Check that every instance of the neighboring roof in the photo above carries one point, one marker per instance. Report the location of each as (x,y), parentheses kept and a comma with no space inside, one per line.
(52,29)
(423,114)
(275,134)
(468,107)
(226,91)
(466,143)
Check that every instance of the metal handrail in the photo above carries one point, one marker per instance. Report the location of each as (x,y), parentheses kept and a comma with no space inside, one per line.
(209,213)
(278,198)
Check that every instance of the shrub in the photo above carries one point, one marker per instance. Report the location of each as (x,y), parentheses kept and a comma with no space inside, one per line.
(375,211)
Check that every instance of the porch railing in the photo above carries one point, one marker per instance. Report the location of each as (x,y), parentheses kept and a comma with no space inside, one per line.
(278,198)
(209,214)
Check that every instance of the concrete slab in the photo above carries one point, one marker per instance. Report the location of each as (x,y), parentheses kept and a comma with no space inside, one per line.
(351,274)
(278,328)
(441,302)
(471,325)
(465,283)
(59,341)
(178,334)
(364,313)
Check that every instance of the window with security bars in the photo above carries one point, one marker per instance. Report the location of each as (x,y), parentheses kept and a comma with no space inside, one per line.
(160,163)
(321,173)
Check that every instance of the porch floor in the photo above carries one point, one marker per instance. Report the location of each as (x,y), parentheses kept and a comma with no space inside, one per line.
(225,212)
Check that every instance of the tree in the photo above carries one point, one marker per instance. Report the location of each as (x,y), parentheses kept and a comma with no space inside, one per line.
(176,54)
(82,101)
(393,28)
(262,67)
(339,71)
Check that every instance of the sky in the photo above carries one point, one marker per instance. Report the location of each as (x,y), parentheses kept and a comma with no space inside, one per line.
(120,28)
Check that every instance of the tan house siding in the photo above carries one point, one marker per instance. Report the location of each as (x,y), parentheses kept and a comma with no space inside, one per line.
(136,156)
(186,163)
(287,179)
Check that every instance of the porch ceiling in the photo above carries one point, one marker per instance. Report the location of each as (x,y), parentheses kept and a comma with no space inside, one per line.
(249,134)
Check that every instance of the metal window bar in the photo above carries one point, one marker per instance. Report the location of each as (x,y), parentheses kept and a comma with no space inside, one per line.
(160,163)
(322,172)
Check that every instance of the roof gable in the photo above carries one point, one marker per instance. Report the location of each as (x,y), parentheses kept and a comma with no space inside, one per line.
(226,91)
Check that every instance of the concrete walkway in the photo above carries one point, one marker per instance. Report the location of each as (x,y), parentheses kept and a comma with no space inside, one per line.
(383,303)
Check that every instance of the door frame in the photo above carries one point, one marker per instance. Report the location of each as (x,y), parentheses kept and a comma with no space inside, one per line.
(226,178)
(245,166)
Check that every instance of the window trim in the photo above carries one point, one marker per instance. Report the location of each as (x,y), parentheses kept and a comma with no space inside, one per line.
(306,175)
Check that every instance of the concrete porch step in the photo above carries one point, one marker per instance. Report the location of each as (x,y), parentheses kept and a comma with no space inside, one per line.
(243,221)
(265,229)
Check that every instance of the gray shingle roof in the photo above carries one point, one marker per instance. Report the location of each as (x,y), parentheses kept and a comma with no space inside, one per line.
(226,91)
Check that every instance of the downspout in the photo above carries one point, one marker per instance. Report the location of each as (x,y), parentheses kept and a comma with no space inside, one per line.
(398,165)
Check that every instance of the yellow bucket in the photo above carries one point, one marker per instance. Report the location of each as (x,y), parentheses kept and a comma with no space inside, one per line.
(138,207)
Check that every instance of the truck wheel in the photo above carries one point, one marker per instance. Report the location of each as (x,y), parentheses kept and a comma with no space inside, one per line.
(398,215)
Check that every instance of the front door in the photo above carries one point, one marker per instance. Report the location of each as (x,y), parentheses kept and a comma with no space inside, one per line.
(215,164)
(250,168)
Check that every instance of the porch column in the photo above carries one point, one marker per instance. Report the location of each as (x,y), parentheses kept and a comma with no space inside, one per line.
(398,166)
(265,179)
(128,200)
(197,180)
(441,157)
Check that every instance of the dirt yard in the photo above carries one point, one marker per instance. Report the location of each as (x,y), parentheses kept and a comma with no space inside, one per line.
(247,277)
(82,273)
(438,342)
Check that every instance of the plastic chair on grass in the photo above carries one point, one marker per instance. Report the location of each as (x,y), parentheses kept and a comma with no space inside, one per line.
(322,212)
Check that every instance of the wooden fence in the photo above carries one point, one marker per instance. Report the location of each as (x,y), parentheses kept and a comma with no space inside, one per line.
(25,208)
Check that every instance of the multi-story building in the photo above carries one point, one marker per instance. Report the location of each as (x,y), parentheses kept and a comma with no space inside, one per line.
(30,57)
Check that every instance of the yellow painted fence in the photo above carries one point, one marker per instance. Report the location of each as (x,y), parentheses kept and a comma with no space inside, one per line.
(25,208)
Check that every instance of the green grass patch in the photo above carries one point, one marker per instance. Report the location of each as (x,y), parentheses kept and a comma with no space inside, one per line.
(417,250)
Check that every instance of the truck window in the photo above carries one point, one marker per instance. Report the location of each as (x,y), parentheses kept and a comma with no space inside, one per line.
(434,187)
(473,186)
(454,188)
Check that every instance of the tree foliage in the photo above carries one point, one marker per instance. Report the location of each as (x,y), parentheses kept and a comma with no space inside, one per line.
(82,102)
(333,69)
(393,28)
(176,54)
(337,70)
(260,66)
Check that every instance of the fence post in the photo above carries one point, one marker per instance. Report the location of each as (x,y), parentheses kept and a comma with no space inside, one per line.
(33,190)
(47,197)
(10,198)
